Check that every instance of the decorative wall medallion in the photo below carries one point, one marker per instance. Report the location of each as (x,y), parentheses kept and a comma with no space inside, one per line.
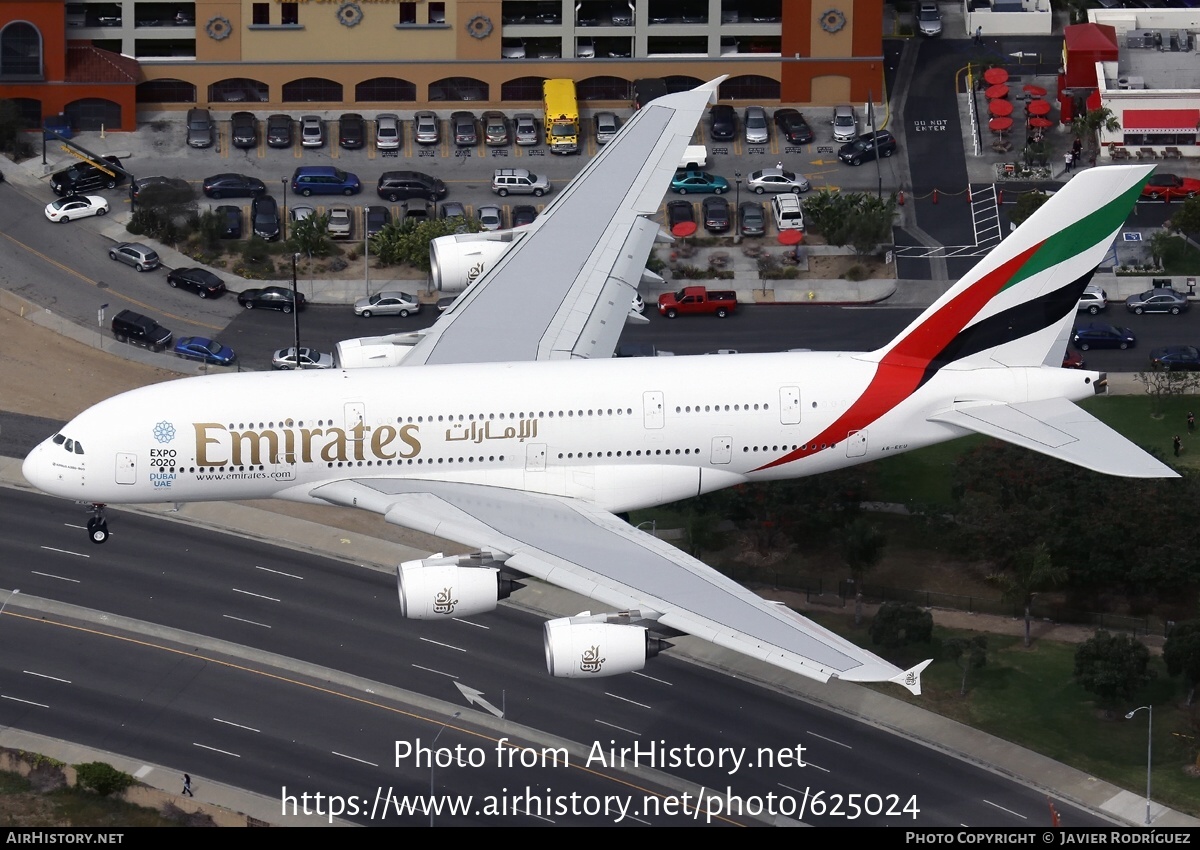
(218,28)
(480,26)
(832,20)
(349,14)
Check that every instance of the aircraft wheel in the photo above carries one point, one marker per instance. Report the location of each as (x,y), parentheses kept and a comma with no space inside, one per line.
(97,530)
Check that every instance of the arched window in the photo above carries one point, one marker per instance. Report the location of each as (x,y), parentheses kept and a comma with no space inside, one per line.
(679,83)
(92,113)
(385,90)
(20,51)
(603,88)
(458,88)
(312,90)
(750,87)
(238,90)
(166,91)
(522,88)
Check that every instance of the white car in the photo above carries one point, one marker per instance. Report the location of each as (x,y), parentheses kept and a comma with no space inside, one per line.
(639,304)
(76,206)
(341,225)
(426,128)
(777,180)
(492,218)
(387,132)
(312,132)
(301,212)
(387,304)
(310,358)
(1093,300)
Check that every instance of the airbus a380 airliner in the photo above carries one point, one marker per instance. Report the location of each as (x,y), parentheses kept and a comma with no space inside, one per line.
(513,431)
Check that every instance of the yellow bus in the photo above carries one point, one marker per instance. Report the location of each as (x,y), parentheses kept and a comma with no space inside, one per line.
(562,116)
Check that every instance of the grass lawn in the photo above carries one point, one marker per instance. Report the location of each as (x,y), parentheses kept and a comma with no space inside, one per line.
(1180,258)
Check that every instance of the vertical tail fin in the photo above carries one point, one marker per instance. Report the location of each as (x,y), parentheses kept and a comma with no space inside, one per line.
(1016,306)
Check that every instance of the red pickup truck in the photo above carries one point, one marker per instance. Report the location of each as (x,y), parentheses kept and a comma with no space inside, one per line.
(697,299)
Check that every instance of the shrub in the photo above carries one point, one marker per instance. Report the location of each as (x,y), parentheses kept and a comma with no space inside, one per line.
(102,778)
(855,272)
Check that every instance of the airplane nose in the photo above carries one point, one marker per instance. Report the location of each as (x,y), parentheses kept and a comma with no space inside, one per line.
(37,470)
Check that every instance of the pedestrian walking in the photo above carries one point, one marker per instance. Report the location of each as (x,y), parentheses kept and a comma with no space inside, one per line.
(979,35)
(1069,159)
(1178,445)
(1077,148)
(1191,420)
(187,780)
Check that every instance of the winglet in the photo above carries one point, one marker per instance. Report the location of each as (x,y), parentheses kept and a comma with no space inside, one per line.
(910,679)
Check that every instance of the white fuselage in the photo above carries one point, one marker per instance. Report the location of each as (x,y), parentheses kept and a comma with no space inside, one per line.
(621,433)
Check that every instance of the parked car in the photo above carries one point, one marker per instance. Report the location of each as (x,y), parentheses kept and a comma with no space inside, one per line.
(401,185)
(1103,336)
(136,329)
(425,128)
(777,180)
(352,131)
(205,350)
(76,206)
(753,222)
(233,186)
(1072,360)
(161,189)
(452,209)
(279,131)
(324,180)
(793,126)
(523,214)
(85,177)
(680,212)
(845,123)
(495,128)
(1173,358)
(141,257)
(312,131)
(417,210)
(199,128)
(200,281)
(231,221)
(378,218)
(722,122)
(606,125)
(271,298)
(929,19)
(491,217)
(301,212)
(340,224)
(243,129)
(518,181)
(1093,300)
(1170,186)
(285,359)
(698,181)
(716,214)
(389,132)
(526,128)
(1161,299)
(863,148)
(264,217)
(393,303)
(462,124)
(758,132)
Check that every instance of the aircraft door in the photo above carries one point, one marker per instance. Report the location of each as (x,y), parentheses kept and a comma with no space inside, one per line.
(535,457)
(789,405)
(356,417)
(126,468)
(722,449)
(653,411)
(856,444)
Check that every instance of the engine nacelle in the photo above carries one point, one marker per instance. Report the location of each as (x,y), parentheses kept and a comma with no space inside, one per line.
(458,260)
(591,647)
(437,589)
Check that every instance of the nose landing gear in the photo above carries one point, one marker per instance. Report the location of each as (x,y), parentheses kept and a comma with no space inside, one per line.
(97,526)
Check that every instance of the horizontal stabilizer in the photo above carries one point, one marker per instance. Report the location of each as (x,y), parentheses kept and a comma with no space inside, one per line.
(1058,428)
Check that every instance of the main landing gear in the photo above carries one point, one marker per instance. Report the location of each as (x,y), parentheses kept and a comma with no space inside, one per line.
(98,525)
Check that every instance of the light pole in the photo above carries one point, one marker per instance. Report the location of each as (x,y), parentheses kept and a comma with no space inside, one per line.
(283,221)
(296,308)
(653,523)
(737,230)
(433,760)
(11,594)
(1149,744)
(367,251)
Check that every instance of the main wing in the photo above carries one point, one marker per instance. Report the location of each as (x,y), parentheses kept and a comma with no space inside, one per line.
(564,287)
(582,548)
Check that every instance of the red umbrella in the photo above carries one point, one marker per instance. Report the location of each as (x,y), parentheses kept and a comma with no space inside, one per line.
(684,228)
(999,90)
(995,76)
(791,237)
(1000,108)
(999,125)
(1041,123)
(1036,91)
(1038,107)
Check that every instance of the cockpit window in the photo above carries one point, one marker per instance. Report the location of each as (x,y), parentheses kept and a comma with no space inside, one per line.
(67,443)
(70,446)
(58,439)
(78,448)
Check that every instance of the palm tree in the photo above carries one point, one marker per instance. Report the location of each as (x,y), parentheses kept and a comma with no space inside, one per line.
(1033,571)
(1091,123)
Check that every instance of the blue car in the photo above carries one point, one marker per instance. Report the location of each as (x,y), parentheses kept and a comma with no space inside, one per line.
(205,350)
(1175,357)
(698,181)
(1103,336)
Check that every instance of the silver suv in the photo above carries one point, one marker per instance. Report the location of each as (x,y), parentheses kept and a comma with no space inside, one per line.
(1093,300)
(141,257)
(518,181)
(199,128)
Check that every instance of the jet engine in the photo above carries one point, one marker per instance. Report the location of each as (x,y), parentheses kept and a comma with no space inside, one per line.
(590,646)
(457,261)
(438,588)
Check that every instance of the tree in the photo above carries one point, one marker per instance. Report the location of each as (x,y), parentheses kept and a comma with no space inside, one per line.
(862,547)
(11,127)
(1162,385)
(1033,571)
(311,236)
(969,654)
(1113,668)
(1186,219)
(102,778)
(408,241)
(1026,205)
(1160,245)
(870,223)
(1181,653)
(898,624)
(1090,124)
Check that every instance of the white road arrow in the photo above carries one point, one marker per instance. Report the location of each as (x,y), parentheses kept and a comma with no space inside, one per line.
(475,697)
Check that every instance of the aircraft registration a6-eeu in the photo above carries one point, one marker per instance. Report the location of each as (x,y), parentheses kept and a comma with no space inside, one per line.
(513,432)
